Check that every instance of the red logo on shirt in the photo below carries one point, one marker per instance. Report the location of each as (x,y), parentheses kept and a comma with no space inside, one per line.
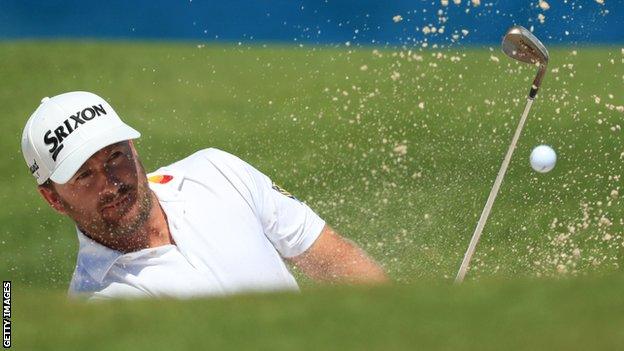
(160,179)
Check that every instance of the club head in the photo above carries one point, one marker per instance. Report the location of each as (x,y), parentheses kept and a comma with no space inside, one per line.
(520,44)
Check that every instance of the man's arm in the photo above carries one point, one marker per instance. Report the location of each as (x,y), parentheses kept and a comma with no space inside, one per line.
(333,258)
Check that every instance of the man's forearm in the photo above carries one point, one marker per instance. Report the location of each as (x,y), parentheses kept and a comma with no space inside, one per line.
(333,258)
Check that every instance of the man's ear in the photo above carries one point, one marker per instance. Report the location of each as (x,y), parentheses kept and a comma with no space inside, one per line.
(52,198)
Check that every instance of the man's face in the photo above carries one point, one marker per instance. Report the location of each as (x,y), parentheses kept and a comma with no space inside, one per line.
(109,195)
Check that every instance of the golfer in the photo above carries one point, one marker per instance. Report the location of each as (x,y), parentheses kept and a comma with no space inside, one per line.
(209,224)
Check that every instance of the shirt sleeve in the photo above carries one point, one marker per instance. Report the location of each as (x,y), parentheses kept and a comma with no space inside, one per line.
(290,225)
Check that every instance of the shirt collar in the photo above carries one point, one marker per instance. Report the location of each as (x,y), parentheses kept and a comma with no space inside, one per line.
(94,257)
(98,259)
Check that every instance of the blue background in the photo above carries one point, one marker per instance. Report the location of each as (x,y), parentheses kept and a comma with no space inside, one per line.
(358,22)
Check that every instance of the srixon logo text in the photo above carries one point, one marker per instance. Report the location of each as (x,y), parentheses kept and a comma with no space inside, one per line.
(55,137)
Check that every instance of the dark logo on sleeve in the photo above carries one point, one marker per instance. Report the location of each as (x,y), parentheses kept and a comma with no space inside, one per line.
(55,137)
(283,191)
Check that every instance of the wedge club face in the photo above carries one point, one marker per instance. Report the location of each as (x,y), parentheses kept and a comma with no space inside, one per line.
(520,44)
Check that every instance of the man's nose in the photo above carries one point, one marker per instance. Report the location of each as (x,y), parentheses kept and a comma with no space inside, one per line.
(111,182)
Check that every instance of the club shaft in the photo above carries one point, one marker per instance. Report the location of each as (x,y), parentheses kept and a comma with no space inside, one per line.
(490,201)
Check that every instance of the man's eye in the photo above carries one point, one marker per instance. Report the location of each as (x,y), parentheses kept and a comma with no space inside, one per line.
(116,157)
(83,175)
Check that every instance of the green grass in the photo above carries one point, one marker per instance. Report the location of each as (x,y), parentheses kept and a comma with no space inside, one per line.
(565,315)
(325,128)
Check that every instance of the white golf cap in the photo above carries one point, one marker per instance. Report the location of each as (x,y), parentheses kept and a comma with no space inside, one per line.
(66,130)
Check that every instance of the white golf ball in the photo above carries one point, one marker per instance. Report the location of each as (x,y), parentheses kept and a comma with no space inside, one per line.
(543,158)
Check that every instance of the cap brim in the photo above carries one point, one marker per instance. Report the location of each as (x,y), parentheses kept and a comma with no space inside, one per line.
(70,165)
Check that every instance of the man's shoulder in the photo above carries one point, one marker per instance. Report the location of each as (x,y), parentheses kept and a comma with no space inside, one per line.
(218,156)
(204,157)
(206,165)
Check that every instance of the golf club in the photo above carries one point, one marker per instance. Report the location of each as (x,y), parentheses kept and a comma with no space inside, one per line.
(522,45)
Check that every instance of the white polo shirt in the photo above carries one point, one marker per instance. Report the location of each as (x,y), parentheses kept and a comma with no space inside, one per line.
(232,227)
